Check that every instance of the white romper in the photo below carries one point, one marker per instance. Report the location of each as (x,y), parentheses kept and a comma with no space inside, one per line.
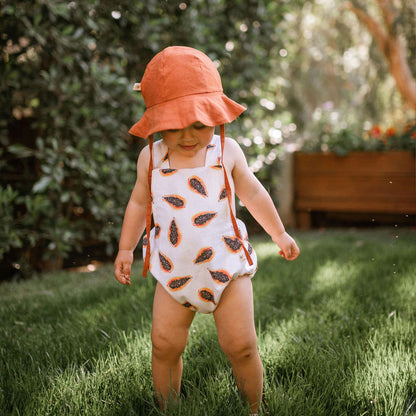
(194,250)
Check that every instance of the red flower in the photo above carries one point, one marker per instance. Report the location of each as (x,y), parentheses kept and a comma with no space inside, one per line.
(391,131)
(375,131)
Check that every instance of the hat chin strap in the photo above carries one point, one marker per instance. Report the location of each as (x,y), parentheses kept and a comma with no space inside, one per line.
(149,203)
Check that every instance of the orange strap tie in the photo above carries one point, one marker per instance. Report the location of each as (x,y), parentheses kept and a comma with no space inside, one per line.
(228,189)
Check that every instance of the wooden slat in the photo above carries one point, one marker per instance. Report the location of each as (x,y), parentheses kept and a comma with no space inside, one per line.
(356,163)
(349,205)
(364,187)
(363,182)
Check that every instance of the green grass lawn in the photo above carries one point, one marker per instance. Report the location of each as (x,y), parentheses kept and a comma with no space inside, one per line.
(336,328)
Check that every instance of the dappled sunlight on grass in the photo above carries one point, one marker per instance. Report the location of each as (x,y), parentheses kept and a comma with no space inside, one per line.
(385,380)
(123,373)
(331,276)
(318,316)
(65,323)
(336,335)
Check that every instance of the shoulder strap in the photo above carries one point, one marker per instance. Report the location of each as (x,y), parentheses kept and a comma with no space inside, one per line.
(228,189)
(149,208)
(213,151)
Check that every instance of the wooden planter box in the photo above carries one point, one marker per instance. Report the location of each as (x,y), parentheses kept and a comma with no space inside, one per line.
(361,182)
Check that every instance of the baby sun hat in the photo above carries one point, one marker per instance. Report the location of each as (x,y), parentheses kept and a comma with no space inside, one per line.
(181,86)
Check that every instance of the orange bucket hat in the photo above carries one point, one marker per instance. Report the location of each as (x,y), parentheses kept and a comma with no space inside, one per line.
(181,86)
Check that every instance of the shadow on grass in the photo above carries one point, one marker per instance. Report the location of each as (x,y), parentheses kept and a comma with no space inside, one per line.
(53,325)
(318,317)
(365,268)
(73,342)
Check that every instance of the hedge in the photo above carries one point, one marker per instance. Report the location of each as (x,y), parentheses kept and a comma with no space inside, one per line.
(66,103)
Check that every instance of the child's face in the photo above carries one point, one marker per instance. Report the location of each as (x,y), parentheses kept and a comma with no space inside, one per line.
(190,140)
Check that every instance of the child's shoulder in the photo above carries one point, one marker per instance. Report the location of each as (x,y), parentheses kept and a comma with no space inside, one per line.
(232,149)
(233,155)
(159,151)
(231,143)
(143,160)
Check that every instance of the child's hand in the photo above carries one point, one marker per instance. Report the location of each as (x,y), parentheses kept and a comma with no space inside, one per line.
(122,266)
(288,247)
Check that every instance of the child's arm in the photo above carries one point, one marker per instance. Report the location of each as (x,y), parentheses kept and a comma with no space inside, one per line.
(134,220)
(257,200)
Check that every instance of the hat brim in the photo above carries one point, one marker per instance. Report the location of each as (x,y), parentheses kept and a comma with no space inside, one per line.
(211,109)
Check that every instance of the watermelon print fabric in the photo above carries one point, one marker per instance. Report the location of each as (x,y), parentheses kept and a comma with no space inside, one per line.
(194,251)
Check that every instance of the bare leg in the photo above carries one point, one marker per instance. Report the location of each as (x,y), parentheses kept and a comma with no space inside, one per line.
(170,328)
(234,318)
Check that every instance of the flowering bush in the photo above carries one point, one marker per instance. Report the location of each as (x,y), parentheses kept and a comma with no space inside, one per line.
(344,141)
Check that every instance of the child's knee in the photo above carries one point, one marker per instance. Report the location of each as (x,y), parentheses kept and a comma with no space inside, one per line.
(166,344)
(240,350)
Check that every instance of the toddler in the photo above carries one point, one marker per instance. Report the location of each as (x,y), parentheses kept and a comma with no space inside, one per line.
(197,250)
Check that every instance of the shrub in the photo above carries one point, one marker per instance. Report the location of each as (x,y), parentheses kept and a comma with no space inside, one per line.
(68,165)
(347,140)
(66,102)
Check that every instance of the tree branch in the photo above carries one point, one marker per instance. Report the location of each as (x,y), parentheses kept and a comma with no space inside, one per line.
(391,47)
(374,27)
(389,16)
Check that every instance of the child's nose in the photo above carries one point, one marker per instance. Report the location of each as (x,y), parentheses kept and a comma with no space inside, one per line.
(187,133)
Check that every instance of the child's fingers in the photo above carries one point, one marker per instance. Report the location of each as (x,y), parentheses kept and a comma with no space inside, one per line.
(126,274)
(290,253)
(122,272)
(126,278)
(293,252)
(287,254)
(126,270)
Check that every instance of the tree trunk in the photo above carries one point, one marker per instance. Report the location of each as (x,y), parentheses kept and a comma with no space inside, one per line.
(388,41)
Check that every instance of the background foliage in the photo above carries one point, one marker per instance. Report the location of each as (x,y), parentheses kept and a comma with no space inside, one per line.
(66,102)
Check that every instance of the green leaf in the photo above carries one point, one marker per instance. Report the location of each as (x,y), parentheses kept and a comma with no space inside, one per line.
(42,184)
(20,151)
(34,102)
